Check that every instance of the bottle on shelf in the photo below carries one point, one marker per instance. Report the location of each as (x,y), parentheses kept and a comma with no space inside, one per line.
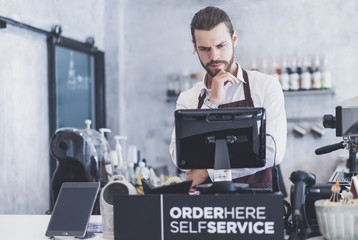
(264,66)
(254,66)
(306,77)
(326,75)
(299,71)
(185,81)
(275,71)
(284,77)
(294,77)
(316,76)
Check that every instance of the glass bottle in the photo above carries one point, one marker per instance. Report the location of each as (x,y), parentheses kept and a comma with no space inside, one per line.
(316,77)
(284,77)
(326,75)
(306,77)
(275,71)
(293,76)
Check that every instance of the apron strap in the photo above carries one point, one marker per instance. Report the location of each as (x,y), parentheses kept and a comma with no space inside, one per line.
(247,92)
(201,100)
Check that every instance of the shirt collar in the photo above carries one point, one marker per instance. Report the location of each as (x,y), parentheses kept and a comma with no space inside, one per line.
(239,75)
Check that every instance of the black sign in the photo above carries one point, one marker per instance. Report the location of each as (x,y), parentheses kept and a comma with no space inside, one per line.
(174,217)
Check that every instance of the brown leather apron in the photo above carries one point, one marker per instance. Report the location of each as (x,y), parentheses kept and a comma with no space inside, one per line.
(261,179)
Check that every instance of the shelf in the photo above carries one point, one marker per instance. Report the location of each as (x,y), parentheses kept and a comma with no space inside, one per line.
(304,119)
(286,93)
(309,92)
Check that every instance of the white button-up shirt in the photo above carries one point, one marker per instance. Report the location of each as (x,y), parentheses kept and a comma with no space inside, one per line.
(266,92)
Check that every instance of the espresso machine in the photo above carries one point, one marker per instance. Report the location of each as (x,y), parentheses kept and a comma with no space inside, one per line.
(83,155)
(305,191)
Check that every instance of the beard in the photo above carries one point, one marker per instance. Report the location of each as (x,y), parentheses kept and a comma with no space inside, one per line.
(227,65)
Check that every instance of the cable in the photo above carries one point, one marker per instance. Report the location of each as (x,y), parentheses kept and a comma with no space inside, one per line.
(274,158)
(351,141)
(288,226)
(275,177)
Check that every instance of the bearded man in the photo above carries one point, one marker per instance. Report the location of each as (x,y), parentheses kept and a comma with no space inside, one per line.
(226,84)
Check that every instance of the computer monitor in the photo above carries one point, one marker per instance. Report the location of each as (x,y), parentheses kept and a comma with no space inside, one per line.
(220,138)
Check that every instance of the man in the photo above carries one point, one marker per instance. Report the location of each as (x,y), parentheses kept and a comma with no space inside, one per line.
(226,84)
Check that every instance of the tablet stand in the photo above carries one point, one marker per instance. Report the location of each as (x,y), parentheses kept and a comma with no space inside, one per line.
(87,236)
(63,237)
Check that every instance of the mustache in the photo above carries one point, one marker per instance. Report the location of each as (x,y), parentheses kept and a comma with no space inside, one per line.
(216,62)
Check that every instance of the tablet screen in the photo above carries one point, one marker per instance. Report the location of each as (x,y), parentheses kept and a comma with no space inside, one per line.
(73,209)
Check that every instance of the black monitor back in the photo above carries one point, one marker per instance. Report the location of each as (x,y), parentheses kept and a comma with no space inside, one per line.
(243,128)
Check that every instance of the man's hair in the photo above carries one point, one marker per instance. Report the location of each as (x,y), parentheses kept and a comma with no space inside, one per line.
(208,18)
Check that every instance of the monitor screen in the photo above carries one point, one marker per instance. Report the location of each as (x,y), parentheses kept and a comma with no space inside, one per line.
(197,131)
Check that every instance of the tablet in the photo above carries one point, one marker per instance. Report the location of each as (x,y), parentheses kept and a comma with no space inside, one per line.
(72,209)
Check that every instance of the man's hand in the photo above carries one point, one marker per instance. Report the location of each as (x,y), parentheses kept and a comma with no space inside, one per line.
(217,86)
(198,176)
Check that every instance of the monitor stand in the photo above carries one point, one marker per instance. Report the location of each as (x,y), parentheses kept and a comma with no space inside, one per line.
(222,162)
(86,236)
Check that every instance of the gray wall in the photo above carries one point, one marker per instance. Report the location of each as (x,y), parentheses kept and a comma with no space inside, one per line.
(25,178)
(144,42)
(24,112)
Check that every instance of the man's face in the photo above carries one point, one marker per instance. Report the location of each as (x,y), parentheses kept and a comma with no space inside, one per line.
(215,49)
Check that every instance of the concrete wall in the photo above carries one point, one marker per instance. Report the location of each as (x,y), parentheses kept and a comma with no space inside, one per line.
(144,42)
(24,127)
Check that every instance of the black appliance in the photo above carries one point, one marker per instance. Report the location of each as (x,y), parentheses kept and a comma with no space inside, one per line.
(83,155)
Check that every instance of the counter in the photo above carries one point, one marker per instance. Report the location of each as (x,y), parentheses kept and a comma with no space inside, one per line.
(23,227)
(30,227)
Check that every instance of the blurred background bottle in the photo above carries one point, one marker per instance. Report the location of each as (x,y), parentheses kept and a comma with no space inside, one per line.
(326,75)
(316,77)
(284,77)
(299,71)
(293,75)
(306,77)
(275,70)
